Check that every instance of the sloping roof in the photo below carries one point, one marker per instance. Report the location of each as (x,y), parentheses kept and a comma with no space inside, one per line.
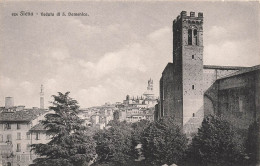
(242,71)
(21,116)
(169,65)
(38,127)
(224,67)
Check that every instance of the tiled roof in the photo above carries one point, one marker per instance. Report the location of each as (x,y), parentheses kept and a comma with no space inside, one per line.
(242,71)
(38,127)
(224,67)
(24,115)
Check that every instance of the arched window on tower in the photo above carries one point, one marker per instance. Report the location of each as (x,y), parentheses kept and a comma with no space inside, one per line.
(196,36)
(189,37)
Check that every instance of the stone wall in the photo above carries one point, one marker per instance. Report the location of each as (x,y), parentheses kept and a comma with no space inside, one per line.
(192,68)
(192,82)
(235,98)
(166,94)
(210,76)
(177,70)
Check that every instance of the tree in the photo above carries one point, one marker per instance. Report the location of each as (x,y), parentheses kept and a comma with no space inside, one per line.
(216,143)
(251,144)
(138,129)
(163,143)
(114,145)
(70,145)
(116,115)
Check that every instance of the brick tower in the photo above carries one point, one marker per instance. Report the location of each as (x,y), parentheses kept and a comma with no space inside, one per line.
(188,68)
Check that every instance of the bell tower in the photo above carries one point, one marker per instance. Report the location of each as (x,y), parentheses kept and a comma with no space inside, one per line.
(41,98)
(150,85)
(188,67)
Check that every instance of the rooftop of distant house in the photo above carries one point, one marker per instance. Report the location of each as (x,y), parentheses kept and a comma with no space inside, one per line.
(132,115)
(25,115)
(38,127)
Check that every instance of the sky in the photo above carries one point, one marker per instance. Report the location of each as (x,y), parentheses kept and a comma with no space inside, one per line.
(115,50)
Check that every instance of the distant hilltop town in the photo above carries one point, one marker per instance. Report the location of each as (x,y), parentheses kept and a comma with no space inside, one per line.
(131,110)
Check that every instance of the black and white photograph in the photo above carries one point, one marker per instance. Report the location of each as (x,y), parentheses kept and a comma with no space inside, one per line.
(129,83)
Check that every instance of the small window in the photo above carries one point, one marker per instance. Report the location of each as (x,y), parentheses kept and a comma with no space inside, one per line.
(18,147)
(28,147)
(1,138)
(27,135)
(192,86)
(8,126)
(9,137)
(189,37)
(18,136)
(38,136)
(193,115)
(18,157)
(192,56)
(18,126)
(196,36)
(28,125)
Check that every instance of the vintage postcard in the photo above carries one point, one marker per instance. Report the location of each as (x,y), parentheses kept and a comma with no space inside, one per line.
(129,83)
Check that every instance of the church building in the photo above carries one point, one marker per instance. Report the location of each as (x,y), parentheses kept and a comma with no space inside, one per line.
(190,90)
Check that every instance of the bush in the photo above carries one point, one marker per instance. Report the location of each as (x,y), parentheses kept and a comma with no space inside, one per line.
(163,143)
(216,143)
(114,146)
(138,129)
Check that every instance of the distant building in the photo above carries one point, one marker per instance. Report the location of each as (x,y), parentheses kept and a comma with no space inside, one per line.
(142,107)
(99,116)
(131,110)
(135,114)
(9,102)
(16,138)
(147,100)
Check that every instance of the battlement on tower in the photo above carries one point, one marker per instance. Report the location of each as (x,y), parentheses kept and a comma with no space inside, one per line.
(192,14)
(183,15)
